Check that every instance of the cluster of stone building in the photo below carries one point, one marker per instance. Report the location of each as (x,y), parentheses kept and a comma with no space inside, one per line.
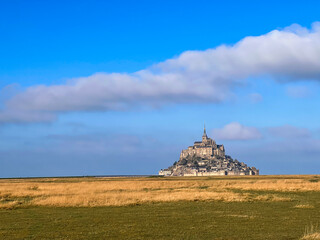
(206,158)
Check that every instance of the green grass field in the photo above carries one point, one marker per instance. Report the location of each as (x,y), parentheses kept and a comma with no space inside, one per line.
(169,220)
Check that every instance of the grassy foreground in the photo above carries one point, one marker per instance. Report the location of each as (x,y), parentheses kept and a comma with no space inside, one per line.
(253,207)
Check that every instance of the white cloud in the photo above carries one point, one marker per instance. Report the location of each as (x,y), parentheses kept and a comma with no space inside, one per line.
(16,116)
(195,76)
(236,131)
(95,143)
(255,97)
(298,91)
(288,131)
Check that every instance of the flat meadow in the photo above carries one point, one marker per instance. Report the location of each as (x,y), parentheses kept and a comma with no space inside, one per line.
(227,207)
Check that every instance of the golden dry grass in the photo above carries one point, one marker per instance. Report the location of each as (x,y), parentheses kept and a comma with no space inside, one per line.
(240,216)
(295,183)
(304,206)
(312,236)
(311,233)
(126,191)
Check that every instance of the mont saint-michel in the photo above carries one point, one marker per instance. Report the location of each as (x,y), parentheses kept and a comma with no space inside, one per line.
(206,158)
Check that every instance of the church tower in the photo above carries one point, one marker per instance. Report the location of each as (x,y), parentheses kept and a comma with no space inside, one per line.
(204,136)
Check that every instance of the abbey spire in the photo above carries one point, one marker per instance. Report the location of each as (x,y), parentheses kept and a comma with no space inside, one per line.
(204,136)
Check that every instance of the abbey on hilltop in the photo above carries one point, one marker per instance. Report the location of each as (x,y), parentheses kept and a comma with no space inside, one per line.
(206,158)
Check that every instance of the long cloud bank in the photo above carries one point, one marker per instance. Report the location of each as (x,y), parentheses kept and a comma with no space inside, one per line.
(292,53)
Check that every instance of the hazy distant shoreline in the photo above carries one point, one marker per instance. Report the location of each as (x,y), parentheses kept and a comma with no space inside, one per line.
(95,176)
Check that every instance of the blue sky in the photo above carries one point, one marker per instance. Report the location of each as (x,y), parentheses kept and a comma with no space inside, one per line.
(121,87)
